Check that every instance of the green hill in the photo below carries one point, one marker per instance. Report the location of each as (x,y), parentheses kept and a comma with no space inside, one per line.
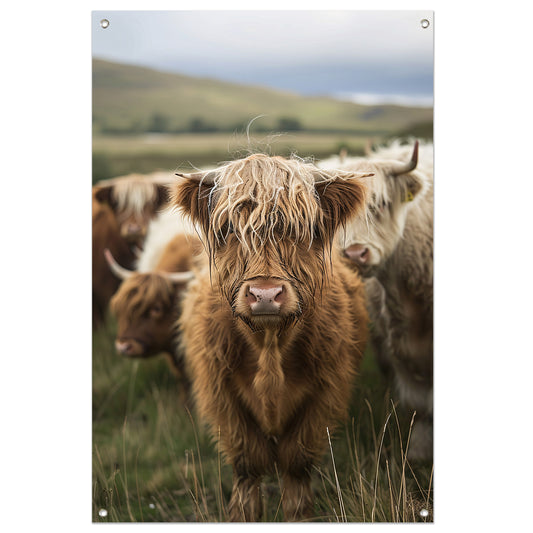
(131,99)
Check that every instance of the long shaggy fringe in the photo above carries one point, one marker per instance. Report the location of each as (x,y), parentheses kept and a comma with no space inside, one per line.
(263,200)
(139,293)
(132,195)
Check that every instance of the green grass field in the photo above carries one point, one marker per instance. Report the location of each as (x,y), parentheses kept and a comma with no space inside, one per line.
(120,155)
(153,460)
(128,98)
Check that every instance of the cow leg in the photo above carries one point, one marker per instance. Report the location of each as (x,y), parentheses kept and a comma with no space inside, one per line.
(417,395)
(297,499)
(251,455)
(298,451)
(421,444)
(245,502)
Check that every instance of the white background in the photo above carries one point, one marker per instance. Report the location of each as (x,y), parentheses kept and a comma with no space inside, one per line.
(483,118)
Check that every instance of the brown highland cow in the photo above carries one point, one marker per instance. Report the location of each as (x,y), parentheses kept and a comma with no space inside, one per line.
(122,210)
(275,326)
(147,305)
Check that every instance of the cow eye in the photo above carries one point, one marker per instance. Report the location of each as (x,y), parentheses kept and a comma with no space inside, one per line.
(377,209)
(225,230)
(156,311)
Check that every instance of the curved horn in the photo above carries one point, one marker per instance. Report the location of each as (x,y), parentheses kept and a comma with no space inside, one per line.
(178,277)
(407,167)
(368,147)
(119,271)
(207,177)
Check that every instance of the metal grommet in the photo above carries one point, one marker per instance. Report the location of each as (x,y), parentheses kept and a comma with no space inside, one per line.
(424,23)
(104,23)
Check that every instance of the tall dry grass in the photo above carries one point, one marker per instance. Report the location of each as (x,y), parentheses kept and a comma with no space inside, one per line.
(153,460)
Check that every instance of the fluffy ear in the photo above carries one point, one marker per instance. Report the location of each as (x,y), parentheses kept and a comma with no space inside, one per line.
(105,195)
(342,198)
(410,185)
(192,194)
(162,195)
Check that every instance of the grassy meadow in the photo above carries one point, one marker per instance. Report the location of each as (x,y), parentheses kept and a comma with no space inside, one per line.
(154,462)
(146,120)
(132,99)
(118,155)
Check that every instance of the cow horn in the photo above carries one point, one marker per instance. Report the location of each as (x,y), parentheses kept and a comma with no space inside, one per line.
(404,168)
(119,271)
(178,277)
(207,177)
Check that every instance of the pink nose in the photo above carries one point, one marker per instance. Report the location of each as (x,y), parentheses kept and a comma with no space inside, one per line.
(124,348)
(358,254)
(133,228)
(265,299)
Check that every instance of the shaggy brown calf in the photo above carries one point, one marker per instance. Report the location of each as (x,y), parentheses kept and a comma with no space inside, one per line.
(148,304)
(274,331)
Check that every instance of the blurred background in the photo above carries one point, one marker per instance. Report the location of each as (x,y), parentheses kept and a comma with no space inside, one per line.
(187,89)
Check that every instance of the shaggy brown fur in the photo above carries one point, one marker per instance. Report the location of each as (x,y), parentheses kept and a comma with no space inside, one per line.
(135,199)
(106,234)
(122,209)
(147,306)
(269,385)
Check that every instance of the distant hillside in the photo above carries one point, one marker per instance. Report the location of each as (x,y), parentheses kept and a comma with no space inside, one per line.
(131,99)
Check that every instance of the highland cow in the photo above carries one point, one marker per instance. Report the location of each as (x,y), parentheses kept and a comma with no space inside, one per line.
(274,327)
(147,305)
(394,243)
(122,210)
(135,200)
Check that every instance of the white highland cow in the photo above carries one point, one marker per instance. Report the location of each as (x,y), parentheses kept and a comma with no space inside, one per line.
(392,245)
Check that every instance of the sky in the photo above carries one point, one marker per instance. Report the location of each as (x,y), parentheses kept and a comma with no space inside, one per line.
(360,55)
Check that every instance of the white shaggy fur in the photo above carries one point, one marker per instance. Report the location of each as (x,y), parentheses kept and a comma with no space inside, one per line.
(166,225)
(397,230)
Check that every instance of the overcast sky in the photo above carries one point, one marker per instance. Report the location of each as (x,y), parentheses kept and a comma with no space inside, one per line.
(310,52)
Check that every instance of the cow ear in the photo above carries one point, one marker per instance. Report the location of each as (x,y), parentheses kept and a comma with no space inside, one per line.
(162,195)
(342,198)
(411,186)
(192,194)
(105,195)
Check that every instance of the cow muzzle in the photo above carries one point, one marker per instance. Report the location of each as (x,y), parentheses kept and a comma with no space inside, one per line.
(267,302)
(358,253)
(129,348)
(266,297)
(364,257)
(133,232)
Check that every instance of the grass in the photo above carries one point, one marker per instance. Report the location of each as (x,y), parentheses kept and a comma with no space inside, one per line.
(128,97)
(120,155)
(153,460)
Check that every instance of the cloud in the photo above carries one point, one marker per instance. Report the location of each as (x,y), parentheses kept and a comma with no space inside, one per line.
(259,44)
